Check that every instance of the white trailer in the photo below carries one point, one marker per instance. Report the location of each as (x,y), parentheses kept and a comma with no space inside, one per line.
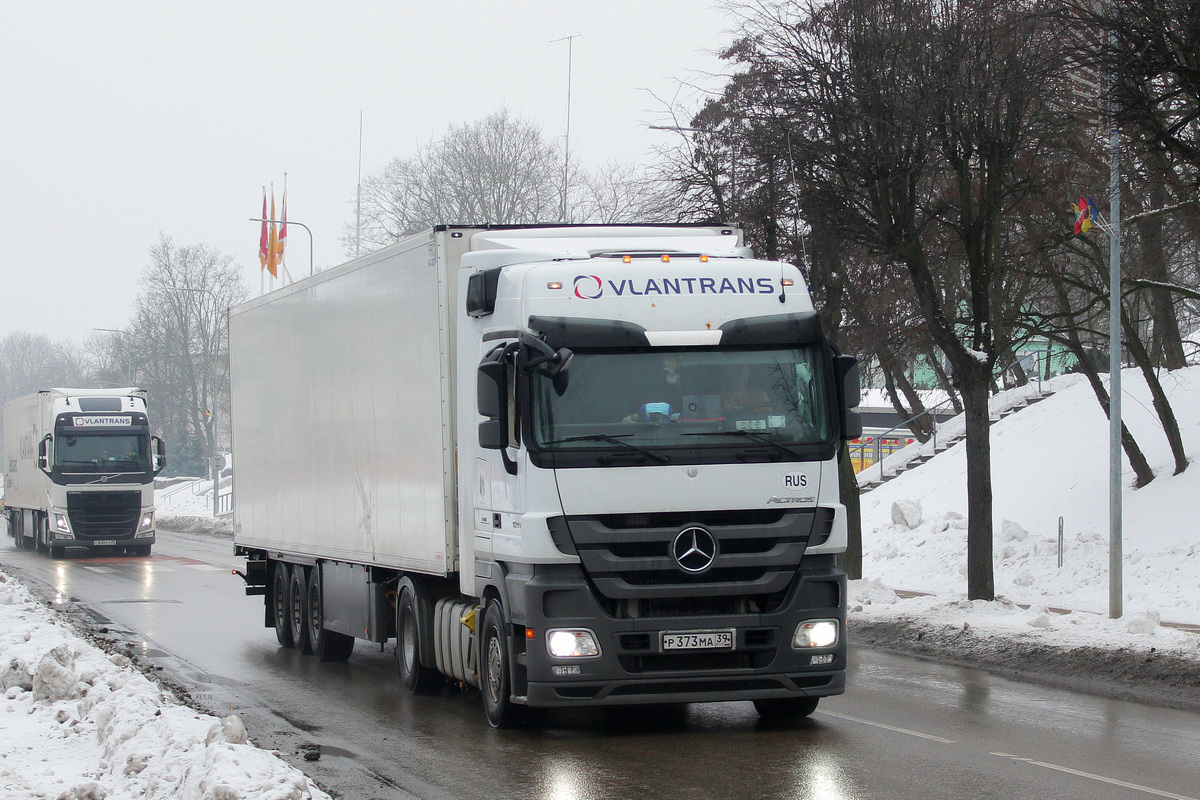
(572,465)
(79,470)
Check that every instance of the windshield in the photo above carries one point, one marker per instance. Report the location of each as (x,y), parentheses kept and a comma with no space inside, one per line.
(102,452)
(647,400)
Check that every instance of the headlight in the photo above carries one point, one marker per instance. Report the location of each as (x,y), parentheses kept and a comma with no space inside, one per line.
(816,633)
(572,644)
(62,524)
(147,521)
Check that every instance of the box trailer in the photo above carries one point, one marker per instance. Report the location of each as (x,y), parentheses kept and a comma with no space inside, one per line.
(79,470)
(570,465)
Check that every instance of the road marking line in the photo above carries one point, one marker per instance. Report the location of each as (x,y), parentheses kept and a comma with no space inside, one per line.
(1113,781)
(897,730)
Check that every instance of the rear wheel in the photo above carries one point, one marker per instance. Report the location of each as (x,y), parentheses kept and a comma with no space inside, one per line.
(416,677)
(281,599)
(298,608)
(785,708)
(326,645)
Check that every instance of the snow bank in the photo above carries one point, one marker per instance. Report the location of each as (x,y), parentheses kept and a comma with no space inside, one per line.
(77,723)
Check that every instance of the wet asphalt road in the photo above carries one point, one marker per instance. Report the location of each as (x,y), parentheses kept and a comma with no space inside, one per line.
(905,728)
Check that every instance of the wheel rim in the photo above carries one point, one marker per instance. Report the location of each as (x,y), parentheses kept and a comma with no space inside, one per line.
(408,650)
(280,602)
(297,620)
(495,662)
(314,612)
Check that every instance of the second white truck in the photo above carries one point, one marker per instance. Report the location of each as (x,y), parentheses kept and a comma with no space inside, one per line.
(79,470)
(570,465)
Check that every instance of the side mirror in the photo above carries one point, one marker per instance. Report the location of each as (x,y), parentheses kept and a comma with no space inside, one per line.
(43,457)
(851,425)
(159,459)
(846,370)
(491,387)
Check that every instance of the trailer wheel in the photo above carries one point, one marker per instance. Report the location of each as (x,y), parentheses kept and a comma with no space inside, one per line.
(785,708)
(327,645)
(298,608)
(282,601)
(495,683)
(416,677)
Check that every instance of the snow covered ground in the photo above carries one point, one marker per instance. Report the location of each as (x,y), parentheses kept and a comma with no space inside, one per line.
(77,723)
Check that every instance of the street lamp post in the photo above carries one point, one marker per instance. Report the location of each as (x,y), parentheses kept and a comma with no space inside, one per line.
(302,225)
(128,353)
(213,472)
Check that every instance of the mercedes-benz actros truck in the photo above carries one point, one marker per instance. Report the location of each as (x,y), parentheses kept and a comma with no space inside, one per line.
(568,465)
(79,467)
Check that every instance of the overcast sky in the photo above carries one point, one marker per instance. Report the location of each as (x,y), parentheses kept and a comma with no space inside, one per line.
(120,120)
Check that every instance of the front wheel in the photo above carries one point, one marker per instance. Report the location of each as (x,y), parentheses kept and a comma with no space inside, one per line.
(495,682)
(327,645)
(785,708)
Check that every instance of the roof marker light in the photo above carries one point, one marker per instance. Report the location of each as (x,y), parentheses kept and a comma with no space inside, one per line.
(788,282)
(666,258)
(703,259)
(554,285)
(628,259)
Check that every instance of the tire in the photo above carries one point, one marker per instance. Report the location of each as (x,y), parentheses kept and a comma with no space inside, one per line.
(297,610)
(786,708)
(495,682)
(281,600)
(41,533)
(411,628)
(326,645)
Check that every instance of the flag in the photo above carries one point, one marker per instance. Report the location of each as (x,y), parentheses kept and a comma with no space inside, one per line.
(273,241)
(1084,210)
(283,228)
(262,237)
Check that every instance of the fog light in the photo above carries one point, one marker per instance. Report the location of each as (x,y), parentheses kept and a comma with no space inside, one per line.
(816,633)
(567,669)
(572,644)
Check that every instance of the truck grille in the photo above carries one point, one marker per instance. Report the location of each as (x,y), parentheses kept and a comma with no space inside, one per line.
(104,515)
(632,571)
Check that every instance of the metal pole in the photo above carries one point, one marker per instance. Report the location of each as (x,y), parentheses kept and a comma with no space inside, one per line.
(1115,544)
(302,225)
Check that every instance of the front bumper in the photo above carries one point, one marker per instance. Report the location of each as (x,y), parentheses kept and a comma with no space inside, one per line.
(634,668)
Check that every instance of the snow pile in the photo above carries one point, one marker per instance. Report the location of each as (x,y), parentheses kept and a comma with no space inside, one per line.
(1049,468)
(79,724)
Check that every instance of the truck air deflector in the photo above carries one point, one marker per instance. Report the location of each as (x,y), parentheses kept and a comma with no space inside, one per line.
(775,329)
(582,332)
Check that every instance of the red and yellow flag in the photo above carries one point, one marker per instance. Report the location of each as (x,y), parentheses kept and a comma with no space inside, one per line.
(281,241)
(1084,210)
(263,251)
(273,241)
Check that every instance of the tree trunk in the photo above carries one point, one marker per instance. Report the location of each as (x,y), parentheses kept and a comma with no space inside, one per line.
(1166,343)
(973,380)
(1162,406)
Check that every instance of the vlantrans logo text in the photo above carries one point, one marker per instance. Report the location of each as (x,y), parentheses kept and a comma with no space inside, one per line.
(593,287)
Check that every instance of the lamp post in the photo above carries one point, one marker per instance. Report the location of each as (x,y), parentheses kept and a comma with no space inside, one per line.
(302,225)
(128,352)
(213,472)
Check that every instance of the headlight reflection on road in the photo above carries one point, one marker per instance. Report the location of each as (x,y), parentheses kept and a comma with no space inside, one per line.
(563,781)
(61,595)
(147,579)
(820,778)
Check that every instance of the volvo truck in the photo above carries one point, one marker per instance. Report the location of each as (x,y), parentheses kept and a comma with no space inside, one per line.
(79,471)
(568,465)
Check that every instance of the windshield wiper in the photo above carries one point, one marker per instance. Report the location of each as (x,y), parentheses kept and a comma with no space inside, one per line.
(758,437)
(613,439)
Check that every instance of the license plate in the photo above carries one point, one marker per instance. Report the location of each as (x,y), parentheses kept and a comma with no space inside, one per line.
(104,542)
(698,640)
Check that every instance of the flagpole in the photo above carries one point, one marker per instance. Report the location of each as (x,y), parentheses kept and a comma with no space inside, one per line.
(265,219)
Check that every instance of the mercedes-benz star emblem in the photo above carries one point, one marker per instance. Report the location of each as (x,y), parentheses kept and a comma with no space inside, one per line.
(694,549)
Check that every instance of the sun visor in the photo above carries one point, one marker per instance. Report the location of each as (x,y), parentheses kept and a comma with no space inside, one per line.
(775,329)
(576,332)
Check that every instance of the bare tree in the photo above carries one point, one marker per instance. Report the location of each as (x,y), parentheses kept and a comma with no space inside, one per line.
(178,334)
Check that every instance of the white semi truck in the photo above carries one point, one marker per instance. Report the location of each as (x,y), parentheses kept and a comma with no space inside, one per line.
(79,470)
(570,465)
